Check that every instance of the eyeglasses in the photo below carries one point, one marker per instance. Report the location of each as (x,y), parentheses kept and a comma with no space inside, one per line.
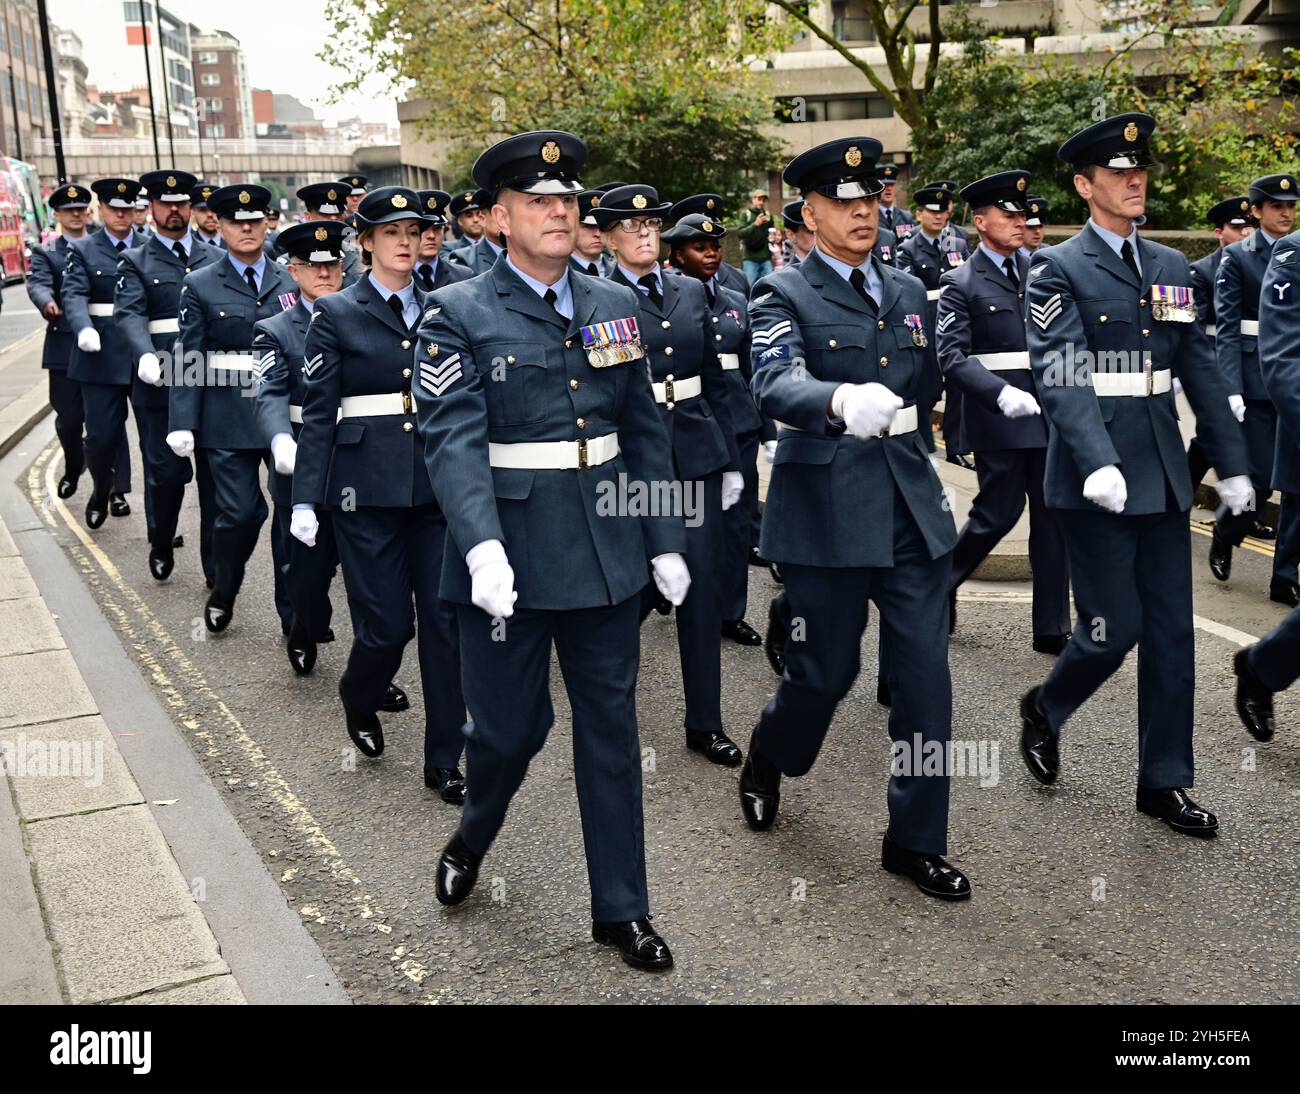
(633,225)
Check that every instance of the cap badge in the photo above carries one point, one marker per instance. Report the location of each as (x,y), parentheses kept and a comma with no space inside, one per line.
(121,188)
(1245,205)
(244,197)
(1020,183)
(639,201)
(468,195)
(72,191)
(853,157)
(399,202)
(322,234)
(331,194)
(432,203)
(595,200)
(171,180)
(551,152)
(709,203)
(1033,208)
(707,225)
(1285,184)
(1131,132)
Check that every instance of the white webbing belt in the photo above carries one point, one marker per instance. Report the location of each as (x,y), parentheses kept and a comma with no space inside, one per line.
(905,421)
(1212,330)
(164,326)
(933,294)
(674,391)
(1003,362)
(554,455)
(233,362)
(1137,385)
(1250,327)
(730,361)
(101,310)
(369,406)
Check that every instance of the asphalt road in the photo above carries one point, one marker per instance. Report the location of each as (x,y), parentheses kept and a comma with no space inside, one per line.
(1077,897)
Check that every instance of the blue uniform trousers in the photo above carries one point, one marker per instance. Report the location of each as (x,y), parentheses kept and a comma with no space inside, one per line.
(308,572)
(738,533)
(507,689)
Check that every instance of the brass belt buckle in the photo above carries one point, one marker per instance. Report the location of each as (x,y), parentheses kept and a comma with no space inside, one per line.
(407,406)
(668,392)
(1150,376)
(582,455)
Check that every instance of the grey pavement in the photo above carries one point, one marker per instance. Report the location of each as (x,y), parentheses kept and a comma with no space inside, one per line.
(1077,897)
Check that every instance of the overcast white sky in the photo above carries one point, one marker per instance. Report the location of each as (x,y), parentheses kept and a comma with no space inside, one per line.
(280,42)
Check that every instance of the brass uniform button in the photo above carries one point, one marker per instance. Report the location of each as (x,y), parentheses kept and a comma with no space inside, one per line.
(884,361)
(668,351)
(573,384)
(568,343)
(510,360)
(832,343)
(406,344)
(582,423)
(717,338)
(1101,319)
(155,281)
(715,318)
(406,372)
(1146,333)
(1143,303)
(407,427)
(880,325)
(665,324)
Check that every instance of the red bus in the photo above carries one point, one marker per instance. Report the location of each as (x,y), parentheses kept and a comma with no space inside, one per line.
(13,246)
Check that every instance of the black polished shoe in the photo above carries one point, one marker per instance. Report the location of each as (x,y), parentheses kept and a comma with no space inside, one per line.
(663,605)
(364,729)
(118,505)
(301,649)
(777,636)
(161,563)
(1177,810)
(448,782)
(714,746)
(68,485)
(952,613)
(883,695)
(1038,744)
(1220,557)
(755,559)
(96,512)
(1260,530)
(932,874)
(775,571)
(1050,643)
(457,872)
(328,636)
(395,700)
(217,613)
(760,789)
(1284,592)
(741,633)
(1254,700)
(961,461)
(178,541)
(638,942)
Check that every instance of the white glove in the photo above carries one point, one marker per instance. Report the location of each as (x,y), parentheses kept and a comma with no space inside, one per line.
(867,409)
(303,525)
(149,369)
(284,453)
(1237,492)
(181,441)
(769,450)
(1238,405)
(1106,487)
(492,581)
(733,485)
(672,577)
(1015,403)
(1178,386)
(88,340)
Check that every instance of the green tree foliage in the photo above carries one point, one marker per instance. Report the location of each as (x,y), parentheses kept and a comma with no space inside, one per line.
(662,93)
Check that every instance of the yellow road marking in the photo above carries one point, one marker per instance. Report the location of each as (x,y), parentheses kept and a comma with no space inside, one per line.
(151,635)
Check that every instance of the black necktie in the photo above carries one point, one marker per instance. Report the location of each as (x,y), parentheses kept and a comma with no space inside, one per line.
(859,282)
(425,275)
(121,244)
(889,218)
(1126,253)
(708,291)
(651,284)
(251,278)
(1009,268)
(591,269)
(395,302)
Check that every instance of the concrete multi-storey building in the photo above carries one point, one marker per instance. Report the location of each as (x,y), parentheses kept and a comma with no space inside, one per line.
(24,97)
(221,81)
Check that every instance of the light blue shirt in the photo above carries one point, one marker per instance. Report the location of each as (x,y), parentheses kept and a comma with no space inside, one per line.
(406,294)
(258,268)
(496,248)
(873,285)
(186,241)
(310,305)
(1115,242)
(998,259)
(562,289)
(636,279)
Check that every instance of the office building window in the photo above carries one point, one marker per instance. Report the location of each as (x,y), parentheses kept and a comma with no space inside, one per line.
(207,57)
(211,79)
(214,106)
(217,130)
(132,10)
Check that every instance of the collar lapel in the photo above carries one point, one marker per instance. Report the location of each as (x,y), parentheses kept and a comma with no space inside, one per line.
(836,288)
(1107,259)
(672,293)
(235,279)
(584,305)
(520,297)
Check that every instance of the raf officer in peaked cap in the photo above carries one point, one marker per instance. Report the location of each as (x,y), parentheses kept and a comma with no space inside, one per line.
(210,408)
(1232,222)
(536,411)
(1037,210)
(467,217)
(691,389)
(315,262)
(431,270)
(982,352)
(1236,307)
(855,511)
(589,252)
(801,237)
(203,218)
(695,248)
(70,205)
(1116,472)
(327,201)
(360,459)
(953,190)
(101,359)
(710,205)
(147,304)
(356,187)
(481,255)
(1273,664)
(893,218)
